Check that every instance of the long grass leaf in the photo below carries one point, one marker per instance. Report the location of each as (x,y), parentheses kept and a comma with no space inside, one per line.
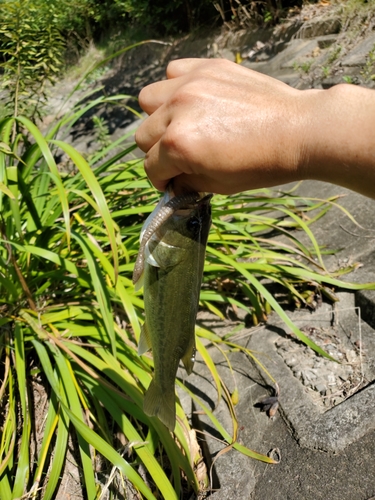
(68,382)
(221,429)
(151,464)
(22,473)
(211,366)
(97,192)
(89,435)
(55,419)
(42,143)
(100,288)
(274,304)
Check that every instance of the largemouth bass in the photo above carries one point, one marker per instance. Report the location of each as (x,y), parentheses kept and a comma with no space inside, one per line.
(171,259)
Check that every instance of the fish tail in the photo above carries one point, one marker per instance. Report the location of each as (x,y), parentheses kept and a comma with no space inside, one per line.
(161,404)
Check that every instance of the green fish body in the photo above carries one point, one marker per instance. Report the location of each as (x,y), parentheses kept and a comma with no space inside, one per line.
(173,263)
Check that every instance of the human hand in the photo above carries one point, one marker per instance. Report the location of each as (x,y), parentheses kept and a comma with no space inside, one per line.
(218,127)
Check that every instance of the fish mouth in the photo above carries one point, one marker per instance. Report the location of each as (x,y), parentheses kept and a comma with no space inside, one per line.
(201,196)
(205,198)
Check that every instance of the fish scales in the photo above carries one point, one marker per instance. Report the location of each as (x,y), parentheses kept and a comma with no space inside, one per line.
(173,269)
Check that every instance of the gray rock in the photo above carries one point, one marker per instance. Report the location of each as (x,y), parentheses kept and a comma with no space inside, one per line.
(319,26)
(321,388)
(358,55)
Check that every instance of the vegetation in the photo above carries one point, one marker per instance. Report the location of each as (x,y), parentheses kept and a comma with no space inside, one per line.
(70,318)
(38,37)
(32,48)
(70,376)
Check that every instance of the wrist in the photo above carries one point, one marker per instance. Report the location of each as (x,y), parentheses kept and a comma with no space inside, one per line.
(337,143)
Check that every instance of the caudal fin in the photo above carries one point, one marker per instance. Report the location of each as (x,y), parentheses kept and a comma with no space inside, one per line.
(160,404)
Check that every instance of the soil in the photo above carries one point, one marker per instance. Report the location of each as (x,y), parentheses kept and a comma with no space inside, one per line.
(327,383)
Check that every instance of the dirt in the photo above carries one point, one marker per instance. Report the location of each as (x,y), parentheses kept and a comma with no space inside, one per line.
(327,383)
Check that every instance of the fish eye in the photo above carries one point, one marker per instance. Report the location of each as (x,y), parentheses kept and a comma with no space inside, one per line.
(193,224)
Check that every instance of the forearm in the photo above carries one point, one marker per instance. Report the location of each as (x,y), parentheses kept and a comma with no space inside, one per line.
(339,138)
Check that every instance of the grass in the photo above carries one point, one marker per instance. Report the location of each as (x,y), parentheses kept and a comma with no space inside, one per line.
(304,66)
(70,317)
(91,56)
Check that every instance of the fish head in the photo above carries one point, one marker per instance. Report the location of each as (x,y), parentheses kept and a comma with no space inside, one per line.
(177,222)
(188,225)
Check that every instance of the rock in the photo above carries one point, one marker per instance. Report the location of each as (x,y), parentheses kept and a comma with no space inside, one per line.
(358,55)
(319,26)
(291,362)
(326,41)
(321,388)
(227,54)
(351,356)
(308,376)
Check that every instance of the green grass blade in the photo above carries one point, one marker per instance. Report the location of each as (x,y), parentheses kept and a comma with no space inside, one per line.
(221,429)
(42,143)
(156,472)
(69,385)
(99,287)
(22,473)
(97,192)
(273,303)
(56,419)
(5,491)
(4,189)
(210,365)
(86,433)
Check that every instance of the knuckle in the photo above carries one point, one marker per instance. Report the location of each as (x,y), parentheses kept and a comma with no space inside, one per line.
(143,97)
(139,139)
(172,67)
(177,142)
(146,163)
(185,95)
(169,141)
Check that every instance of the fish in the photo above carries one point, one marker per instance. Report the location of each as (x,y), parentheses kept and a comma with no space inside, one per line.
(170,267)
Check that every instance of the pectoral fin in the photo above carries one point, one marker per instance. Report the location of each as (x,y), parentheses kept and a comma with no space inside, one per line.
(149,257)
(139,283)
(144,344)
(189,357)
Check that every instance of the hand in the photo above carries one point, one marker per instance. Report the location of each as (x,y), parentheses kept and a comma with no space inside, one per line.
(219,127)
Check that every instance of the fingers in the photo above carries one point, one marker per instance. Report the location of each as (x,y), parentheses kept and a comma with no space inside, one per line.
(151,130)
(181,67)
(159,167)
(155,95)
